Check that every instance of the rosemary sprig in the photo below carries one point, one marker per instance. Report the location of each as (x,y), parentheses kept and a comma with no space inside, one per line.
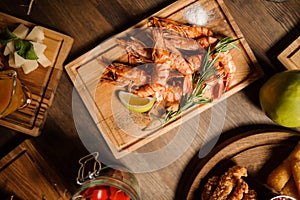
(207,71)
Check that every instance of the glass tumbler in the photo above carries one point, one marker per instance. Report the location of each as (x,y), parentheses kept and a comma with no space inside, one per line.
(13,94)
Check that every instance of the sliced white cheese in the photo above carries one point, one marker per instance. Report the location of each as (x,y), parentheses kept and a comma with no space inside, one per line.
(39,48)
(44,61)
(11,60)
(36,34)
(6,51)
(19,60)
(29,66)
(9,48)
(21,31)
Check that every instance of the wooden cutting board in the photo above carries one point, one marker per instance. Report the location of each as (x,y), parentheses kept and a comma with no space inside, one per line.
(121,129)
(42,82)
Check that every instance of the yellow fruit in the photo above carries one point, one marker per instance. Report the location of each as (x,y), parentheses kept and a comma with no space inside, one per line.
(280,98)
(135,103)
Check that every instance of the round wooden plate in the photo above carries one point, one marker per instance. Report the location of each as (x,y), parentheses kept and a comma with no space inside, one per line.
(259,152)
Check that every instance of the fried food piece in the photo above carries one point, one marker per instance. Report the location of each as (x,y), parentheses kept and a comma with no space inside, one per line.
(251,195)
(290,189)
(239,191)
(281,174)
(209,187)
(296,152)
(228,182)
(295,165)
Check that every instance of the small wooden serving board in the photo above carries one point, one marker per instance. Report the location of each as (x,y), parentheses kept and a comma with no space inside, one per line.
(42,82)
(290,57)
(122,129)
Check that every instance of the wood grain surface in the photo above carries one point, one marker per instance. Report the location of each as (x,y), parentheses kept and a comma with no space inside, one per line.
(40,182)
(267,27)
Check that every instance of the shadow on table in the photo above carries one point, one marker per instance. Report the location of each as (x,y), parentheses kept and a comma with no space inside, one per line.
(195,164)
(252,91)
(281,45)
(61,151)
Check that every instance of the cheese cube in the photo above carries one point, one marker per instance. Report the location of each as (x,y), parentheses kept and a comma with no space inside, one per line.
(39,48)
(19,60)
(36,34)
(29,66)
(11,60)
(44,61)
(9,48)
(21,31)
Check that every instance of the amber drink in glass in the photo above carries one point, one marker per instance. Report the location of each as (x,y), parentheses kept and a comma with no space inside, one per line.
(13,95)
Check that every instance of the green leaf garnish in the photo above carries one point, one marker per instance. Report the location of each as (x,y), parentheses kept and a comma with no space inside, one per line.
(23,47)
(9,37)
(208,70)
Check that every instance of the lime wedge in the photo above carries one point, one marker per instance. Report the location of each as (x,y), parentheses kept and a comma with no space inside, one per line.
(135,103)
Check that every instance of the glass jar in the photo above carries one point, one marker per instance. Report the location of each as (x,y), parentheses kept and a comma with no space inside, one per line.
(104,183)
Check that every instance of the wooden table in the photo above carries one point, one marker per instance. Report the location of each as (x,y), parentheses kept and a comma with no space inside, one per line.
(268,28)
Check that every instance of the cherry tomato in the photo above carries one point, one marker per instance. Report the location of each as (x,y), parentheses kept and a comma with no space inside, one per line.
(127,197)
(117,194)
(113,190)
(88,191)
(100,194)
(104,193)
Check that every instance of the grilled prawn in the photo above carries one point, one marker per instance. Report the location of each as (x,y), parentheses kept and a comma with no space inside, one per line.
(136,50)
(190,31)
(123,74)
